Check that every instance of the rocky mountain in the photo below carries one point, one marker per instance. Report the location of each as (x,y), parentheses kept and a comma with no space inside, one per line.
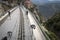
(48,9)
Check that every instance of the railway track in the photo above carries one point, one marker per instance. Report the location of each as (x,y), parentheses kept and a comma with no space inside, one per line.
(21,34)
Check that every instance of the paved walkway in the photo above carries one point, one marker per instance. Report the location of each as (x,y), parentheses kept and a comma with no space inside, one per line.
(11,24)
(38,35)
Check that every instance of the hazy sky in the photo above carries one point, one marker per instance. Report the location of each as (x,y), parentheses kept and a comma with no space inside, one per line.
(39,1)
(53,0)
(42,1)
(45,0)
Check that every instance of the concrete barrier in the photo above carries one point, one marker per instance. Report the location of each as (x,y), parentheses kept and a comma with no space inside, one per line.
(3,18)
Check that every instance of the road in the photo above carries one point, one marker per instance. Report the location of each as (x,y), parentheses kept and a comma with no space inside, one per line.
(20,25)
(28,30)
(38,35)
(11,24)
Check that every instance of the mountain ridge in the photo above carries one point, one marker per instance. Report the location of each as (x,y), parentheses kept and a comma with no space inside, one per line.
(49,9)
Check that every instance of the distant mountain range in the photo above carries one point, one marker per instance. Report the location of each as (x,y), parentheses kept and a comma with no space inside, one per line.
(48,9)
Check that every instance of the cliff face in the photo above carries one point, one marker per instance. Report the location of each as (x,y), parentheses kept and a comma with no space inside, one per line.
(10,2)
(1,10)
(6,5)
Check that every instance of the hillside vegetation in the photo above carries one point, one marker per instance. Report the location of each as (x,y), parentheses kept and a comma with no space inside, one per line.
(53,24)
